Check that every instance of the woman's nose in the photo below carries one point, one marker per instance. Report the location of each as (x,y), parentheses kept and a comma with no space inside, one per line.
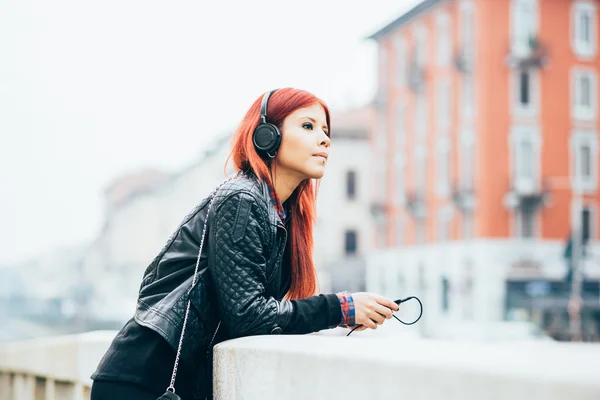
(325,141)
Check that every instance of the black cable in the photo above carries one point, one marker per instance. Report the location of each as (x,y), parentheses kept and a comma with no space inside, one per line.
(399,301)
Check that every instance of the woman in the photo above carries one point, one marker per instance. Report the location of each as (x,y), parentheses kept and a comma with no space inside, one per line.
(243,259)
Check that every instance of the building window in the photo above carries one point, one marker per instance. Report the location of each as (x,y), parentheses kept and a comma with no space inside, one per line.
(351,185)
(444,40)
(583,92)
(401,56)
(399,230)
(588,224)
(420,34)
(524,22)
(381,135)
(466,24)
(467,159)
(422,278)
(380,237)
(421,129)
(380,162)
(444,96)
(526,223)
(526,158)
(467,226)
(351,244)
(585,162)
(420,159)
(421,236)
(400,124)
(381,178)
(465,28)
(444,224)
(525,89)
(584,156)
(445,294)
(400,163)
(401,282)
(468,286)
(444,168)
(468,97)
(524,167)
(583,29)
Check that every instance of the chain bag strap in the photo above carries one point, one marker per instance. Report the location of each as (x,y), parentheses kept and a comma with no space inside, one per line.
(170,392)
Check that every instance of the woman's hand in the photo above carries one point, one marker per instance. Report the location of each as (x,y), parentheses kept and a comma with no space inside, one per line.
(371,310)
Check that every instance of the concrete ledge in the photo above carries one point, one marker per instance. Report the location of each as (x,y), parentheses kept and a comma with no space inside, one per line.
(325,367)
(329,365)
(70,358)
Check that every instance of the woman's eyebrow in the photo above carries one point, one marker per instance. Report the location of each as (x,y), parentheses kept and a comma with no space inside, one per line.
(314,121)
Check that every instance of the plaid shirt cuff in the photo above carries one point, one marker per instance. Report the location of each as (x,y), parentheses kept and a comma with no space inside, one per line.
(347,304)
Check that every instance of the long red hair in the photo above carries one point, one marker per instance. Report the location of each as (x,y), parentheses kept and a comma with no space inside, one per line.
(302,202)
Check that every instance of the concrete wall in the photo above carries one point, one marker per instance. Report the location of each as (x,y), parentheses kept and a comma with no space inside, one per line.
(57,368)
(374,367)
(387,363)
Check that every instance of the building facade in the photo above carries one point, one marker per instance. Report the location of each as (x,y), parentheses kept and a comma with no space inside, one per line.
(344,227)
(488,135)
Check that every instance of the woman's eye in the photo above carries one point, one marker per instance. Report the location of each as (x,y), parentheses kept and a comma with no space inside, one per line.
(307,125)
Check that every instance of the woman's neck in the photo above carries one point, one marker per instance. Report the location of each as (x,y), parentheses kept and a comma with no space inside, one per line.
(285,182)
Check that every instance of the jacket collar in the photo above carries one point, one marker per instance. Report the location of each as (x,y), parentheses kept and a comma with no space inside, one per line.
(274,217)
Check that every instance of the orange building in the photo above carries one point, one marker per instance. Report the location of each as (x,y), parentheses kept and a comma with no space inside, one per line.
(486,109)
(487,122)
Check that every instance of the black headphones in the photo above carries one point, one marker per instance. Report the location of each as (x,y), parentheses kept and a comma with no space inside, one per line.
(266,136)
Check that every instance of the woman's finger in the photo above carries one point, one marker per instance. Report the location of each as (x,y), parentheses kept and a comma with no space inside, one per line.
(376,317)
(370,324)
(384,301)
(386,312)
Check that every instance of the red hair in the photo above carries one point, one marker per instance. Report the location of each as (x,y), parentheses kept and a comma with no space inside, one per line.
(302,202)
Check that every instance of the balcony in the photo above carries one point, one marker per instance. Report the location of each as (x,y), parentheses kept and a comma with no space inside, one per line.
(379,212)
(532,54)
(463,61)
(388,363)
(526,197)
(415,203)
(463,198)
(415,76)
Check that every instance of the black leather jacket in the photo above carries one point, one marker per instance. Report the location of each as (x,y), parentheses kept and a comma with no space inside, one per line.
(239,287)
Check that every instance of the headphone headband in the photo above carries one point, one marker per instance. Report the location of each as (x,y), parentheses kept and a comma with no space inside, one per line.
(264,106)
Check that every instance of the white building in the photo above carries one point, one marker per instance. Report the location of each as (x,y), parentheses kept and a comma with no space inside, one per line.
(463,285)
(344,229)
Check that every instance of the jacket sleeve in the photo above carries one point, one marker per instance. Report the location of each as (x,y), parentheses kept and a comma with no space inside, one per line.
(239,238)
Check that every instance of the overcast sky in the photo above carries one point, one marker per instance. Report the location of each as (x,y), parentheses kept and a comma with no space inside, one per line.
(91,90)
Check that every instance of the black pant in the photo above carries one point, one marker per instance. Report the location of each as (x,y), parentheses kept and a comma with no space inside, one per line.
(105,390)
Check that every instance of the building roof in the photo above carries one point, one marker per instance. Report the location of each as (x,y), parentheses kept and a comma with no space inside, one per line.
(352,124)
(404,18)
(129,185)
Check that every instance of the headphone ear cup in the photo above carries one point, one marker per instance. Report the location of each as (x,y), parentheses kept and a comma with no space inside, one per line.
(267,138)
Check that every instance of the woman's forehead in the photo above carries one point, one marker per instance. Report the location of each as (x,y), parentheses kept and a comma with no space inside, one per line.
(316,112)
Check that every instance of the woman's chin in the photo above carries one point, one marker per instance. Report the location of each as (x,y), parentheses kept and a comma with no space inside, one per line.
(317,173)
